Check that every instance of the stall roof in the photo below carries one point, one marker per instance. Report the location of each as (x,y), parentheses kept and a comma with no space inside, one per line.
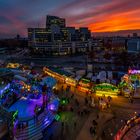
(5,71)
(49,81)
(84,80)
(106,86)
(2,70)
(89,75)
(59,71)
(78,77)
(20,78)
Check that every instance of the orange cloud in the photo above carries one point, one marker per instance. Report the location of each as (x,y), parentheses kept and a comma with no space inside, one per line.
(125,21)
(103,16)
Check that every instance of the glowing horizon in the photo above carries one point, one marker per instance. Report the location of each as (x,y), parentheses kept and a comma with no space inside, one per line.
(99,16)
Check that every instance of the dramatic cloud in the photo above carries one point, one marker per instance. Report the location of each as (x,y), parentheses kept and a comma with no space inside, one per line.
(104,16)
(99,15)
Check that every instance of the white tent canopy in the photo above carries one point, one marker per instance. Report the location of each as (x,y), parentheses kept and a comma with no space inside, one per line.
(78,77)
(20,78)
(49,81)
(89,75)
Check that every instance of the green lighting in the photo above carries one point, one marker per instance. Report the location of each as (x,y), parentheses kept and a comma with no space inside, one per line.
(106,87)
(86,80)
(14,117)
(57,117)
(15,114)
(63,101)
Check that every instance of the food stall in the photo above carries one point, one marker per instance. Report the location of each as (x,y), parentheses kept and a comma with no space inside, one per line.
(134,76)
(129,83)
(13,65)
(84,85)
(70,81)
(106,89)
(54,74)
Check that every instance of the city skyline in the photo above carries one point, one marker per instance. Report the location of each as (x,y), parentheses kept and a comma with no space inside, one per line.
(100,16)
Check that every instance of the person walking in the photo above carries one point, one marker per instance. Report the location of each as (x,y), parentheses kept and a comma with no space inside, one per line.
(75,124)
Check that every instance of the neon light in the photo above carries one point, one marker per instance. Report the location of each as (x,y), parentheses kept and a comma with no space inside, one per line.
(101,93)
(106,87)
(15,114)
(57,117)
(85,80)
(134,71)
(5,88)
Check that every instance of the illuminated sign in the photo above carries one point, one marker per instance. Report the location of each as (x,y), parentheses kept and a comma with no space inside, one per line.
(5,88)
(134,71)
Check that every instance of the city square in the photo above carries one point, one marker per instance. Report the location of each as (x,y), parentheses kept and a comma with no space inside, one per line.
(69,70)
(49,98)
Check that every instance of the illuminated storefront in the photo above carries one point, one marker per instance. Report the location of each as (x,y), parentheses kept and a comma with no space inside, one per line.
(130,82)
(106,89)
(83,89)
(134,76)
(70,81)
(84,85)
(13,65)
(55,75)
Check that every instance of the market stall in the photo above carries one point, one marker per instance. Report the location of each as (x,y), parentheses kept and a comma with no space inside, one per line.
(129,83)
(106,89)
(70,81)
(54,74)
(13,65)
(84,85)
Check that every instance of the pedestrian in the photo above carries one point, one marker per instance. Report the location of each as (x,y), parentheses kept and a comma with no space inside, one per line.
(94,122)
(51,137)
(27,124)
(91,129)
(103,134)
(81,113)
(75,124)
(87,93)
(90,99)
(131,100)
(94,131)
(71,109)
(86,101)
(62,88)
(22,125)
(76,102)
(62,129)
(97,116)
(19,125)
(107,105)
(72,96)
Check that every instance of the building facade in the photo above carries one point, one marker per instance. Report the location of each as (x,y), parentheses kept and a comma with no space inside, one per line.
(133,45)
(57,39)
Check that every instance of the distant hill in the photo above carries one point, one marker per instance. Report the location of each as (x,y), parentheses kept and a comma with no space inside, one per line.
(117,33)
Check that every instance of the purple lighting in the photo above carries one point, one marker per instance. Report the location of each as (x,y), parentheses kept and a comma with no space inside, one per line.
(134,71)
(52,107)
(26,106)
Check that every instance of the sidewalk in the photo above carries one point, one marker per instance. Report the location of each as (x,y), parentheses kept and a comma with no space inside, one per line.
(85,131)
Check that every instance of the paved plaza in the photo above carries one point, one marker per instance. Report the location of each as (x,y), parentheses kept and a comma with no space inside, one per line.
(109,121)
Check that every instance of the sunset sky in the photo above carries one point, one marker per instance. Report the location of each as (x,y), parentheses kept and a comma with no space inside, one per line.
(99,15)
